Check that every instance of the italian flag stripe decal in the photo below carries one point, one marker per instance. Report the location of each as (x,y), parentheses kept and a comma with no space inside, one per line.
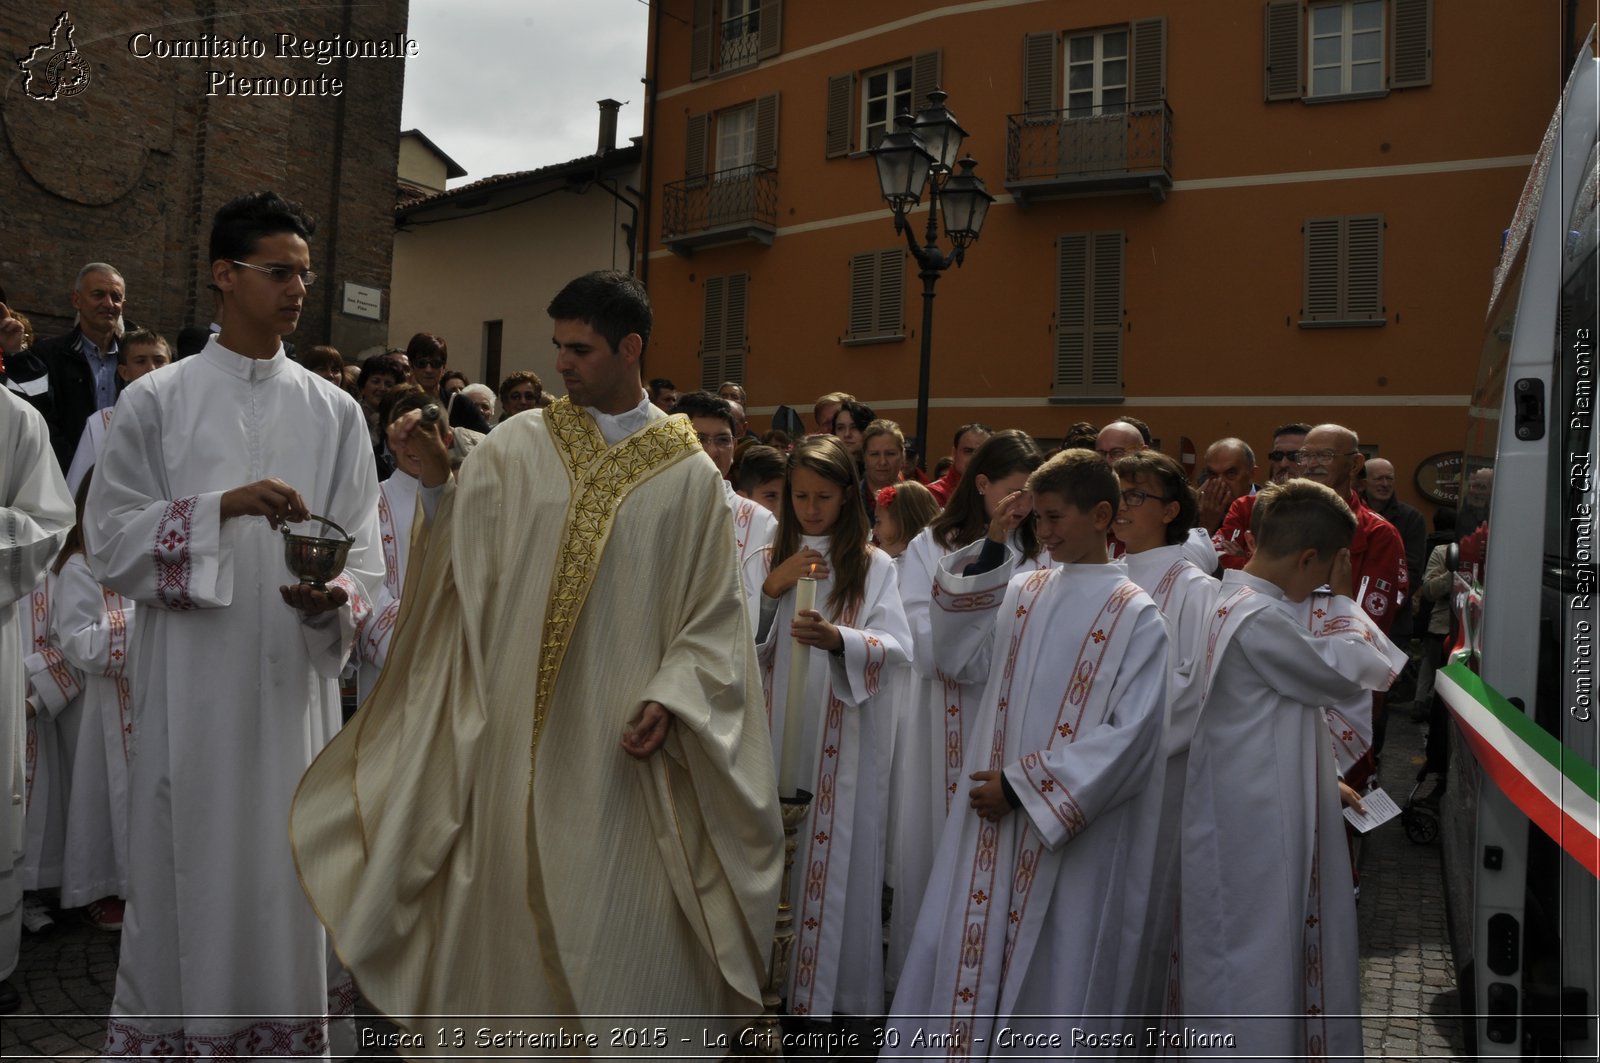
(1552,785)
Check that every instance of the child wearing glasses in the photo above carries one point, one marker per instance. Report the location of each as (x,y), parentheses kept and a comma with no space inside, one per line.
(1158,510)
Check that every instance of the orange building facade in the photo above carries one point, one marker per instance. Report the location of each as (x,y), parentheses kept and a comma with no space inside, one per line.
(1216,217)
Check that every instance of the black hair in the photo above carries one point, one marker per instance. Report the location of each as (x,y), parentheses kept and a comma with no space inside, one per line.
(757,465)
(860,413)
(975,426)
(609,301)
(694,404)
(381,364)
(244,222)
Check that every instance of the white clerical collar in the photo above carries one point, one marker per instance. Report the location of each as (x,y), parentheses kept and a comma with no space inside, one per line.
(615,427)
(242,366)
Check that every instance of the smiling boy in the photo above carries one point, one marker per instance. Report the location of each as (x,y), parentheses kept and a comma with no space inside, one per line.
(1031,920)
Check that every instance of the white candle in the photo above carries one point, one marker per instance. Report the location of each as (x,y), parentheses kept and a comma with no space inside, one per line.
(794,707)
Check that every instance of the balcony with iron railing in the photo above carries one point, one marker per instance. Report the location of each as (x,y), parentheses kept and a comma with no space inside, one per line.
(726,207)
(739,43)
(1089,151)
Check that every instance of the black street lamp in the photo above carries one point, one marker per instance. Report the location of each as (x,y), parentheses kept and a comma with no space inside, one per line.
(921,153)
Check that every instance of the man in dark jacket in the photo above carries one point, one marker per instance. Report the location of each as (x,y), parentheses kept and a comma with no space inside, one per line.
(82,364)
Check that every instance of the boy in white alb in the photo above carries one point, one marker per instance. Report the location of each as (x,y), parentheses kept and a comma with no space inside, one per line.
(1268,946)
(236,686)
(1032,920)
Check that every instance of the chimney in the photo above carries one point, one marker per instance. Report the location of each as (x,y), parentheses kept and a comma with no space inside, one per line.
(608,126)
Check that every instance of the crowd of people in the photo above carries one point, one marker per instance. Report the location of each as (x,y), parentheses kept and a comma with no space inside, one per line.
(1075,733)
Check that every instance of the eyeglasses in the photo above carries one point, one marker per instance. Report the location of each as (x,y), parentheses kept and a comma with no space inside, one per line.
(1281,455)
(1133,499)
(281,274)
(428,363)
(1309,457)
(1113,454)
(722,439)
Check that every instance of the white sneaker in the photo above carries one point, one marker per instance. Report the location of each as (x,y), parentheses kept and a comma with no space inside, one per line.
(35,915)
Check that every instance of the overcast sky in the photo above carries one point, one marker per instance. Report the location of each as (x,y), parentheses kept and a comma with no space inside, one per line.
(505,85)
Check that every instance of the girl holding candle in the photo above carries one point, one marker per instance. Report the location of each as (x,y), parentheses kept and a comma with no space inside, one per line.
(827,727)
(933,712)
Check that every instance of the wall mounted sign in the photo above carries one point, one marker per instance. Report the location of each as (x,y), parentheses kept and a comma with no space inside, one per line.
(1438,478)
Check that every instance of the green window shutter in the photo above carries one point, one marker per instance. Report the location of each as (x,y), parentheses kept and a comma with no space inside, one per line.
(877,291)
(694,146)
(1149,66)
(702,32)
(841,108)
(1105,314)
(1323,240)
(891,291)
(1284,33)
(1411,47)
(734,337)
(863,293)
(711,330)
(1089,299)
(926,71)
(1041,55)
(767,131)
(1072,313)
(771,31)
(1363,268)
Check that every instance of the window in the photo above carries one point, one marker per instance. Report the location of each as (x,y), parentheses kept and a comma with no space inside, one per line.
(736,137)
(741,32)
(722,335)
(857,120)
(1097,73)
(885,95)
(1329,51)
(1088,354)
(1346,48)
(1108,70)
(877,293)
(1343,271)
(727,36)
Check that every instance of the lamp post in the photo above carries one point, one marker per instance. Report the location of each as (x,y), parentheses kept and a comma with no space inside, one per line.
(921,155)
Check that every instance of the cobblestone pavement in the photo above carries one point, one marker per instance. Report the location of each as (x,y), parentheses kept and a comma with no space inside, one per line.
(1408,980)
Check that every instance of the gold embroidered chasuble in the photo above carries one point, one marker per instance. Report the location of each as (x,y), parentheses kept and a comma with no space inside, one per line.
(476,840)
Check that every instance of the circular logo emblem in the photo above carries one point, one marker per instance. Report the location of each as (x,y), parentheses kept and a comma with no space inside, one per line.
(67,74)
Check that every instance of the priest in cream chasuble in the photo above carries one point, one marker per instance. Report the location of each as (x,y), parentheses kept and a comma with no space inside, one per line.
(477,840)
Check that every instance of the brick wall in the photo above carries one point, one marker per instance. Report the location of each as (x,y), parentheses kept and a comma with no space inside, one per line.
(131,169)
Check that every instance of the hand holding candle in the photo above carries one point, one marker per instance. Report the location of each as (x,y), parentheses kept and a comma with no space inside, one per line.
(794,707)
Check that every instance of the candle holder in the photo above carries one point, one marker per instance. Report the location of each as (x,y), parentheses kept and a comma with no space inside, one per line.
(766,1036)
